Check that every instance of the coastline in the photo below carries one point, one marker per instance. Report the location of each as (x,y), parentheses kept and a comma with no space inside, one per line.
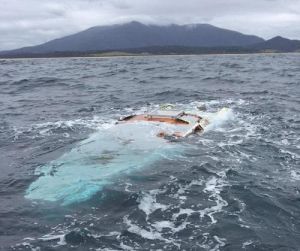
(97,56)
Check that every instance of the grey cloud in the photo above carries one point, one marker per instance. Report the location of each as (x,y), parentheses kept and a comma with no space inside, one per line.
(30,22)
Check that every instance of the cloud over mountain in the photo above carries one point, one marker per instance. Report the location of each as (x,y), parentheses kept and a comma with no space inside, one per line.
(30,22)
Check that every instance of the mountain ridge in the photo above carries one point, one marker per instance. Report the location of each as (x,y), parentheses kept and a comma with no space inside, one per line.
(280,44)
(135,37)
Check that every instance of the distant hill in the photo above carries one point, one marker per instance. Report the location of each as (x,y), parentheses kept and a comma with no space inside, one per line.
(135,38)
(137,35)
(278,44)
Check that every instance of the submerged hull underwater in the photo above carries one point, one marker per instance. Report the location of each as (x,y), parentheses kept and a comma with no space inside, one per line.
(79,174)
(119,149)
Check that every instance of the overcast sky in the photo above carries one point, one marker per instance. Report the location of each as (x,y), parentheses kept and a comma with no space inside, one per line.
(31,22)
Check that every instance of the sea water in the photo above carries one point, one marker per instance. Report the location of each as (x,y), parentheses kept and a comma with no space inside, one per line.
(73,180)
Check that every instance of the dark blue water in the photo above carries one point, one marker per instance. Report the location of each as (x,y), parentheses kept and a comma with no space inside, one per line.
(236,187)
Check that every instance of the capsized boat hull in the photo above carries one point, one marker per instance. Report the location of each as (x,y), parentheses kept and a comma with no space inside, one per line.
(93,163)
(109,153)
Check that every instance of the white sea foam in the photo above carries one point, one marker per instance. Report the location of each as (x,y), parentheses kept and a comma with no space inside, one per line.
(124,247)
(148,203)
(183,211)
(60,238)
(49,128)
(155,231)
(214,187)
(160,225)
(292,154)
(217,120)
(158,229)
(127,186)
(247,243)
(182,190)
(295,175)
(220,243)
(147,234)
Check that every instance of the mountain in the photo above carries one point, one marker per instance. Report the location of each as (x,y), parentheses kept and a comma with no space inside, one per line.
(278,44)
(138,35)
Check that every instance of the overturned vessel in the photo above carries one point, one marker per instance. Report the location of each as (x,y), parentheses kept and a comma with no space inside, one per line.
(186,123)
(136,142)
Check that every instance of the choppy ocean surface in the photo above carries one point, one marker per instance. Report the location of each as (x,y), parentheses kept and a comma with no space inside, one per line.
(70,179)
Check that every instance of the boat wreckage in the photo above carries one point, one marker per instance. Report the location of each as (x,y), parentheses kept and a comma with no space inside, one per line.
(186,123)
(111,152)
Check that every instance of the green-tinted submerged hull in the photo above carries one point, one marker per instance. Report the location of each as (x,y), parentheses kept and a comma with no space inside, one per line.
(95,162)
